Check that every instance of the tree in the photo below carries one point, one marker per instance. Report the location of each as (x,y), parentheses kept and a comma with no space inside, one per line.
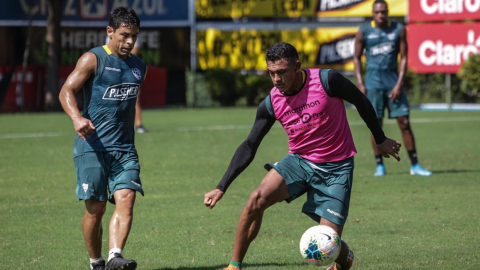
(53,39)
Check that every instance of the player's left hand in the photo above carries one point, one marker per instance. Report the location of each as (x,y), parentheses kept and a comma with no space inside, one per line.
(395,94)
(389,148)
(212,197)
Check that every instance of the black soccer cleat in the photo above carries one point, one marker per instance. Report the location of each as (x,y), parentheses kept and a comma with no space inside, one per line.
(119,263)
(98,265)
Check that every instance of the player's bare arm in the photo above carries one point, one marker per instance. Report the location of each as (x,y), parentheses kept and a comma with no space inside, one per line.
(402,70)
(357,61)
(86,66)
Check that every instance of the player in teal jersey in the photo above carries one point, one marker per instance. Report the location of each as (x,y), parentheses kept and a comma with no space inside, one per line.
(105,157)
(383,40)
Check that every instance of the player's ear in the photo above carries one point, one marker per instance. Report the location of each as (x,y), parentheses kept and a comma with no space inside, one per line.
(298,65)
(110,31)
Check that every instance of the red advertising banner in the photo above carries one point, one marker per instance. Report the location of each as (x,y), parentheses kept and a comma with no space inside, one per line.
(441,47)
(441,10)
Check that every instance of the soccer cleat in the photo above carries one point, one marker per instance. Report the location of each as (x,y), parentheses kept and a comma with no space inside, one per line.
(418,170)
(380,170)
(350,263)
(141,129)
(231,267)
(119,263)
(98,265)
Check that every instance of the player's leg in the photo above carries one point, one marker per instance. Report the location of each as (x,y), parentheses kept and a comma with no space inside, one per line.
(138,117)
(92,188)
(377,98)
(345,259)
(272,190)
(93,231)
(400,110)
(124,182)
(334,179)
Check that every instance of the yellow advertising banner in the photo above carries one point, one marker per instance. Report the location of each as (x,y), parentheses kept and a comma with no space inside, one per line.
(245,49)
(218,9)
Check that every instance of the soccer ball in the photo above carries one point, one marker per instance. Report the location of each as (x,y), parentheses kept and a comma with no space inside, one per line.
(320,245)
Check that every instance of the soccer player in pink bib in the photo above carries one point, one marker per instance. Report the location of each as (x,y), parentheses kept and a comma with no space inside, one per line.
(308,103)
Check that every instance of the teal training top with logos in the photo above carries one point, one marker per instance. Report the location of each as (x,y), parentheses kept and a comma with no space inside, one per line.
(382,46)
(109,102)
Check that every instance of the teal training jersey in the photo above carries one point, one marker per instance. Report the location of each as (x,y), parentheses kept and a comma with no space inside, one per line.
(109,102)
(382,46)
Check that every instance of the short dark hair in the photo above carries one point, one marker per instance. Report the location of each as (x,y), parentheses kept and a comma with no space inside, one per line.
(123,16)
(380,2)
(282,50)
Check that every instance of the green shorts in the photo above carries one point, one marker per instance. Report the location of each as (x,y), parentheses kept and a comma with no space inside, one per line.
(379,99)
(100,174)
(328,186)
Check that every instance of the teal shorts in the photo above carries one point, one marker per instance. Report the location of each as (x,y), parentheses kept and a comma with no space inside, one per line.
(100,174)
(379,99)
(328,186)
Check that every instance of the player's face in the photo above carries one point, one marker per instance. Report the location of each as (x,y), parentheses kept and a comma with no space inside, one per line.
(283,74)
(380,14)
(122,40)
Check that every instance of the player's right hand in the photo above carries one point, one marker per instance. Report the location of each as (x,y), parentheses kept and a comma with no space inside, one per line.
(389,148)
(84,127)
(212,197)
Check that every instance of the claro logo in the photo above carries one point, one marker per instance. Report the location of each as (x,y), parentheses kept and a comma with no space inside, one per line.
(449,6)
(438,53)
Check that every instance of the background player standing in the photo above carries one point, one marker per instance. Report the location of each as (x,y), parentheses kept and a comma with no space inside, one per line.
(382,41)
(105,157)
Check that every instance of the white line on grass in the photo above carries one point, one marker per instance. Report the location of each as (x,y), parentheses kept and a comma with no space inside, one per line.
(30,135)
(233,127)
(353,123)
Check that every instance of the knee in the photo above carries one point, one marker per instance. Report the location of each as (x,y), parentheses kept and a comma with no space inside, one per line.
(125,197)
(95,208)
(404,123)
(257,201)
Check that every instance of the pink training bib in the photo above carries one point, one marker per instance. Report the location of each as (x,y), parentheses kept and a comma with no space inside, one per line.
(316,123)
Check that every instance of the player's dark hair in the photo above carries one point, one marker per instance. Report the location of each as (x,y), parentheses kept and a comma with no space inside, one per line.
(282,50)
(380,2)
(123,16)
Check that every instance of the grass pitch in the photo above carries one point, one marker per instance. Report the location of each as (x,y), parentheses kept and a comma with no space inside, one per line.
(396,222)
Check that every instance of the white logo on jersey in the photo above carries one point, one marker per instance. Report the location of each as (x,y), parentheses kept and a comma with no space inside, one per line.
(136,72)
(121,91)
(373,36)
(85,187)
(391,36)
(113,69)
(382,48)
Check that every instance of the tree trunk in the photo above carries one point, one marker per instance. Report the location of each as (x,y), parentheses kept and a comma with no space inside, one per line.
(52,87)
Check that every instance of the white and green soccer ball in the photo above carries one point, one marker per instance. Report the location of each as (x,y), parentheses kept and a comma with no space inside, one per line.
(320,245)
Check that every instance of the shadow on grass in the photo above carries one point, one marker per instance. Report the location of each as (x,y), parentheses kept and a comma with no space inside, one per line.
(291,266)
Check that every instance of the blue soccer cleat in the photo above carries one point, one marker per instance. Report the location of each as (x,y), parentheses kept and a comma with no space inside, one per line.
(418,170)
(380,170)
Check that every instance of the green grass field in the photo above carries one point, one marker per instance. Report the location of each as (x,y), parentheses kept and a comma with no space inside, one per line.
(396,222)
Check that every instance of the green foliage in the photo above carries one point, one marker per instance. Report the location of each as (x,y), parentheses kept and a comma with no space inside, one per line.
(228,86)
(396,222)
(256,87)
(222,86)
(430,88)
(470,76)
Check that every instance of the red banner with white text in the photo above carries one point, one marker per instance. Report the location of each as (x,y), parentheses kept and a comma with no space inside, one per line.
(441,10)
(441,47)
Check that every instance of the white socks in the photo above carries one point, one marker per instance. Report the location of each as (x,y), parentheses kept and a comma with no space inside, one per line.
(112,252)
(95,261)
